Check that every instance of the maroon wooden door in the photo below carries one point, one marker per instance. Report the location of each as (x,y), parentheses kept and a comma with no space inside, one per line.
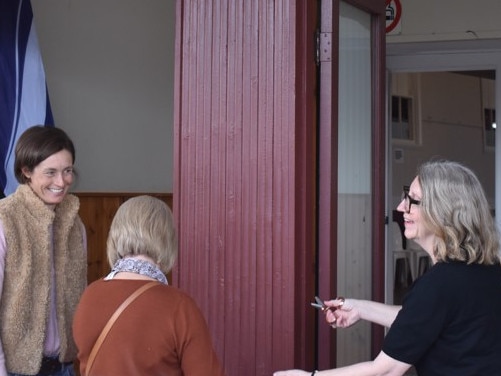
(255,174)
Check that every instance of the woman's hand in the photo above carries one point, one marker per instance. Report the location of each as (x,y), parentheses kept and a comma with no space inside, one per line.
(292,372)
(342,313)
(382,365)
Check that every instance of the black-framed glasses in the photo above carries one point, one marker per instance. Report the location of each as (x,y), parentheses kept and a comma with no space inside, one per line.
(408,200)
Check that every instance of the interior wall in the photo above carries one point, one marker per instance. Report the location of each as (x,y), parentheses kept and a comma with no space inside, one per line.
(450,121)
(447,20)
(110,76)
(109,66)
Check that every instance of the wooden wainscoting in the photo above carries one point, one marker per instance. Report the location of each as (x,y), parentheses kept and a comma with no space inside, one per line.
(354,272)
(97,211)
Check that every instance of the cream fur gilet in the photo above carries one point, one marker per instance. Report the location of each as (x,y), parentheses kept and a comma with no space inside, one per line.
(30,227)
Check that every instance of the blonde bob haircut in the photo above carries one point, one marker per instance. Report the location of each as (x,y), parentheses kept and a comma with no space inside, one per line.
(143,225)
(456,210)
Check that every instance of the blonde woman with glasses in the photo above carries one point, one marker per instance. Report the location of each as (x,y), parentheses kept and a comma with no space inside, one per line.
(450,320)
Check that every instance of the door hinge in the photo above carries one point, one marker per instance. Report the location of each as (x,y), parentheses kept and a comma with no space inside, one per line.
(323,50)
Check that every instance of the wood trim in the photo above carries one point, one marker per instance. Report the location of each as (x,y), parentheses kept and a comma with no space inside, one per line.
(375,7)
(328,192)
(327,181)
(305,199)
(378,164)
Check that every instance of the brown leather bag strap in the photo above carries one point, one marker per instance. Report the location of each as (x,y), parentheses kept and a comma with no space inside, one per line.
(112,320)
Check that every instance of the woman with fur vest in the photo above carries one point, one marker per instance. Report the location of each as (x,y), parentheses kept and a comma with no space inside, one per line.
(43,258)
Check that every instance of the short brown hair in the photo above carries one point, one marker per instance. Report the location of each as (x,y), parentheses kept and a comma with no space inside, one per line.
(36,144)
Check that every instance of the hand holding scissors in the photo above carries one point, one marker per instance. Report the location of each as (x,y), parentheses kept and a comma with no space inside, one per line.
(320,305)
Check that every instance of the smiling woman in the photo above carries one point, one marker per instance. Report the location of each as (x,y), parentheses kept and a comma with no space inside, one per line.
(434,330)
(51,179)
(43,257)
(44,161)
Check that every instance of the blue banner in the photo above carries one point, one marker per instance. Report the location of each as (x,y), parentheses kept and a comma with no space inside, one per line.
(24,100)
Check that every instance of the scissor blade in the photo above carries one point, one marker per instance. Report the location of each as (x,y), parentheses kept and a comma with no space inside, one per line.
(318,306)
(319,301)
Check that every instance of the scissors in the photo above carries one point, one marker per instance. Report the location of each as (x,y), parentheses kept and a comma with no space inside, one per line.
(320,305)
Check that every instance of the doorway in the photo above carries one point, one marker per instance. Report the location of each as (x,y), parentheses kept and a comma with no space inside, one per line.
(442,99)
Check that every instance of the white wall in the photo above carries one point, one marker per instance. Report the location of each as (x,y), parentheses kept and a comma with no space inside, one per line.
(450,118)
(110,66)
(447,20)
(110,72)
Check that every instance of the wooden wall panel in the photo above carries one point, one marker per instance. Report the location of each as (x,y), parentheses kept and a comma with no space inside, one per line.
(97,211)
(354,272)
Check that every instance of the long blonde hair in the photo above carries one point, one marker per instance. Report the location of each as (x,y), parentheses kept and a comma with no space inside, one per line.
(456,210)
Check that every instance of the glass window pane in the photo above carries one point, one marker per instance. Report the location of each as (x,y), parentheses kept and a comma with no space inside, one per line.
(354,177)
(405,109)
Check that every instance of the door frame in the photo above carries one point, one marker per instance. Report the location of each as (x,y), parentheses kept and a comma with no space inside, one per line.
(328,169)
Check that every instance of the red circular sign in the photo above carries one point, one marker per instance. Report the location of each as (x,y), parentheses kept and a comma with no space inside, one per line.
(395,17)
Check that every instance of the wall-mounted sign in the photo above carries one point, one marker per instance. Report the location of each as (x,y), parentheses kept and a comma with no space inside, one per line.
(393,15)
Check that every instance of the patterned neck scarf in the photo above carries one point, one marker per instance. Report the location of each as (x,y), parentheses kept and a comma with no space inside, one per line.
(138,266)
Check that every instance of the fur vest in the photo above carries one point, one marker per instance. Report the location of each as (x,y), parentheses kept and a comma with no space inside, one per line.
(31,230)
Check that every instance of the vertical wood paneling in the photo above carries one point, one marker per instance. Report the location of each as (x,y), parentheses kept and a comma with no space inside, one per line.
(96,212)
(238,183)
(236,264)
(264,111)
(219,129)
(354,277)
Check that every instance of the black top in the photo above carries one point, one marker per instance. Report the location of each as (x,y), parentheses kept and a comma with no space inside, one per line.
(450,322)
